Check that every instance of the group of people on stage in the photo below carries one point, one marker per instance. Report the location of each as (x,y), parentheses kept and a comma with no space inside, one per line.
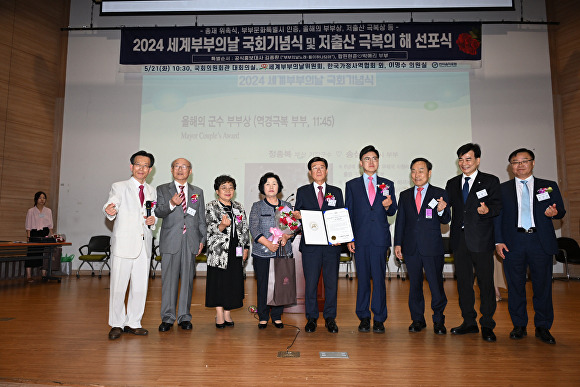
(513,219)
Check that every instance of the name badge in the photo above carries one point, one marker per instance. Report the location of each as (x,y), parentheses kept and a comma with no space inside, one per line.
(385,192)
(41,215)
(191,211)
(239,251)
(543,196)
(481,193)
(432,203)
(237,212)
(332,203)
(428,213)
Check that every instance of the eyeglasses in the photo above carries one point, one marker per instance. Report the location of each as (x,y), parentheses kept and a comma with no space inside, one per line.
(181,167)
(227,188)
(522,162)
(141,166)
(367,159)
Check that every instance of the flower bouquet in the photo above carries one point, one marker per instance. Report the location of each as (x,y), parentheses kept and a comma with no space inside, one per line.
(287,223)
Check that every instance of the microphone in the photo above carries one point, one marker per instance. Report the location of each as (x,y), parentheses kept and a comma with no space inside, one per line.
(288,198)
(148,208)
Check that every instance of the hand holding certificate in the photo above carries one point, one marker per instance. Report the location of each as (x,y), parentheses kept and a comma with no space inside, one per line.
(328,228)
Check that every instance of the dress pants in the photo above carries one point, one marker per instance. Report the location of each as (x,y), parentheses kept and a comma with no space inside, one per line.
(173,267)
(527,251)
(262,273)
(327,259)
(465,262)
(433,266)
(122,270)
(371,262)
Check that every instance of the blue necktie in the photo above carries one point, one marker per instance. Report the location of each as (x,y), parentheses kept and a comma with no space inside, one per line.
(466,189)
(526,214)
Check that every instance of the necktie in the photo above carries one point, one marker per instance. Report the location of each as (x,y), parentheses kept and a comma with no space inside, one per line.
(141,194)
(418,199)
(466,189)
(183,202)
(372,192)
(526,214)
(182,197)
(320,197)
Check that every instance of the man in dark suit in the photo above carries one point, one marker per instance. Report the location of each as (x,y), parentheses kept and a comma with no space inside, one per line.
(525,236)
(475,200)
(422,210)
(370,199)
(319,196)
(183,233)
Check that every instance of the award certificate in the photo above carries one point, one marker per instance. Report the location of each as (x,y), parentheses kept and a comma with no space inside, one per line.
(338,227)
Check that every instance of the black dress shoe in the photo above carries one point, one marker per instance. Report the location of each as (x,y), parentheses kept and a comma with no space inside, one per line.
(417,326)
(378,327)
(545,336)
(463,329)
(164,327)
(137,331)
(518,333)
(229,323)
(330,324)
(365,325)
(310,325)
(220,326)
(279,325)
(488,335)
(186,325)
(115,333)
(439,328)
(262,326)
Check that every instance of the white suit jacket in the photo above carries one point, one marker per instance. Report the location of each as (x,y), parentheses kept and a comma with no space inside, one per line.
(130,230)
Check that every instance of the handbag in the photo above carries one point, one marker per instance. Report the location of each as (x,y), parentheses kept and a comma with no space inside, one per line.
(282,281)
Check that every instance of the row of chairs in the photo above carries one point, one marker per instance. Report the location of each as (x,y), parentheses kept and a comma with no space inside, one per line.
(568,253)
(98,250)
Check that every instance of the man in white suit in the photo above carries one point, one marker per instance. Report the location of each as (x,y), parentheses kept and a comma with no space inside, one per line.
(130,246)
(183,233)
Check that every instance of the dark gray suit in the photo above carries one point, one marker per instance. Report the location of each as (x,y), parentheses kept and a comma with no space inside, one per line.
(178,250)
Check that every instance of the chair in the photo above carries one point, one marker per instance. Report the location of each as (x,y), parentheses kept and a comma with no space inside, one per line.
(448,254)
(387,258)
(346,259)
(100,244)
(399,263)
(568,253)
(155,258)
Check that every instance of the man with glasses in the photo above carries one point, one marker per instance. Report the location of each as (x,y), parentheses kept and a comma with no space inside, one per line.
(525,237)
(130,246)
(319,196)
(183,233)
(370,199)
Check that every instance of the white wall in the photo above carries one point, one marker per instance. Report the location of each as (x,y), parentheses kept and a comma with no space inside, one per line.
(510,98)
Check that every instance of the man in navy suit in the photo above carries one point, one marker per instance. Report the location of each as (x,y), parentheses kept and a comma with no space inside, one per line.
(525,236)
(422,210)
(370,199)
(474,198)
(319,196)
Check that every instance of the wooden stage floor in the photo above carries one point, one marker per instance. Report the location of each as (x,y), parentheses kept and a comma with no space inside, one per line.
(56,334)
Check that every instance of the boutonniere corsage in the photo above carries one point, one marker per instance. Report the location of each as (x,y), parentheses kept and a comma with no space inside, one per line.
(545,190)
(329,197)
(384,188)
(194,198)
(238,219)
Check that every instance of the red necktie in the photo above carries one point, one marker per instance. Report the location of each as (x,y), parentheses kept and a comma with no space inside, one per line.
(372,192)
(141,194)
(183,202)
(320,197)
(418,199)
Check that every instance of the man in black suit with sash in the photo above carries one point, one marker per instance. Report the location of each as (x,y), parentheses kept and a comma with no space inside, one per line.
(474,198)
(524,233)
(319,196)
